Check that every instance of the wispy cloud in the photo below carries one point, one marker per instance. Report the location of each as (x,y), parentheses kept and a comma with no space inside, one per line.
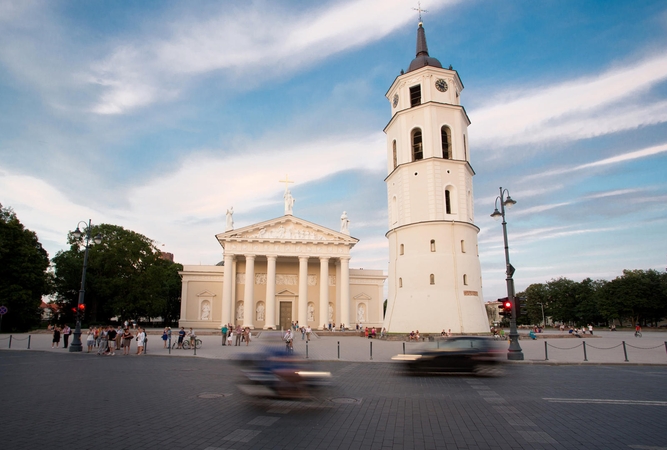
(246,43)
(575,109)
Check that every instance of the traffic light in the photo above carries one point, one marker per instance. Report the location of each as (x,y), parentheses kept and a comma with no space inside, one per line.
(521,309)
(505,307)
(82,307)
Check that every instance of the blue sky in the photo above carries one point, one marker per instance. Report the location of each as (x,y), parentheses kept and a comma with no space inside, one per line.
(160,115)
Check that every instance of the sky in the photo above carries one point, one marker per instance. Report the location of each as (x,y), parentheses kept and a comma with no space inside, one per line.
(158,116)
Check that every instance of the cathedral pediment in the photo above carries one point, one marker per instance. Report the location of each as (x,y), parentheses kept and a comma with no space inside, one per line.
(286,229)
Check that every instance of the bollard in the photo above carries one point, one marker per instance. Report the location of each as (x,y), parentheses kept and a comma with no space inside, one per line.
(338,349)
(625,350)
(666,346)
(170,344)
(306,349)
(10,341)
(546,352)
(29,341)
(145,344)
(404,348)
(585,357)
(371,350)
(194,344)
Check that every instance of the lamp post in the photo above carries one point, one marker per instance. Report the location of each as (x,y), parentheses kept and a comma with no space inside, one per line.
(514,353)
(76,346)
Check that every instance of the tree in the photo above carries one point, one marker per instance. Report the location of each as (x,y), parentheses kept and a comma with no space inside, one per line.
(126,277)
(24,276)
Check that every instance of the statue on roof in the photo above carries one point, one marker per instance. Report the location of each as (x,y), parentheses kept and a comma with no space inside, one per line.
(230,219)
(289,202)
(344,224)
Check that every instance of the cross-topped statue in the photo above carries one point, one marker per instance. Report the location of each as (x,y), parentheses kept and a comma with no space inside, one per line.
(420,10)
(289,200)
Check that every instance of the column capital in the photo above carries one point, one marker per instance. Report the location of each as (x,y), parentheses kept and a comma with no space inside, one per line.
(273,257)
(230,256)
(250,256)
(302,257)
(345,258)
(324,258)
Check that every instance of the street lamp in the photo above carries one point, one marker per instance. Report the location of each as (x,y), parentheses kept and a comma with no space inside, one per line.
(544,322)
(76,346)
(514,353)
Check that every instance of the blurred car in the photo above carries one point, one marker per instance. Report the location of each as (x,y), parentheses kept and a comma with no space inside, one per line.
(462,354)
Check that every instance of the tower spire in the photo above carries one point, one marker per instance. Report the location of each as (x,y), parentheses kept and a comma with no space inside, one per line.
(422,57)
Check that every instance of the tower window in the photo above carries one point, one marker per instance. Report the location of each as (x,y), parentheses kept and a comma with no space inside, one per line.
(432,279)
(395,156)
(417,150)
(463,246)
(400,282)
(446,138)
(401,250)
(432,245)
(465,279)
(416,95)
(448,202)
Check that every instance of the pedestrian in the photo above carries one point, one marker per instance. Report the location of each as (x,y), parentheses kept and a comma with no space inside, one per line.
(224,334)
(193,337)
(67,331)
(103,348)
(56,337)
(246,335)
(590,328)
(97,336)
(111,336)
(141,339)
(165,336)
(308,331)
(181,336)
(127,341)
(119,337)
(90,341)
(303,334)
(237,335)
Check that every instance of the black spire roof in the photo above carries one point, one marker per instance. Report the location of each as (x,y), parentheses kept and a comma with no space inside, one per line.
(422,59)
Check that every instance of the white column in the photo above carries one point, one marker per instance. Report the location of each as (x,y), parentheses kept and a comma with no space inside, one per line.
(303,291)
(345,290)
(324,292)
(227,286)
(270,316)
(249,291)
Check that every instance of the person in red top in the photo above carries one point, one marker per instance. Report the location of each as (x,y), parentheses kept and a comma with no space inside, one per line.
(638,330)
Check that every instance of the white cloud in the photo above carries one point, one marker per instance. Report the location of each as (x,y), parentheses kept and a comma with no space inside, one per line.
(575,109)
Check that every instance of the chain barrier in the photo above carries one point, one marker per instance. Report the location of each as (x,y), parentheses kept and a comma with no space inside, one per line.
(584,345)
(645,348)
(568,348)
(605,348)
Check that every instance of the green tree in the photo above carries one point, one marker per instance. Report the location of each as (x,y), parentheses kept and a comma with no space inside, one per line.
(126,277)
(24,276)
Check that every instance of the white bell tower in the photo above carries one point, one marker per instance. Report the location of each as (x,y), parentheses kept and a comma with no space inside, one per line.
(434,271)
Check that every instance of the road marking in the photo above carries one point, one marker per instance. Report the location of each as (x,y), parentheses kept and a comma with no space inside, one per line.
(241,435)
(264,421)
(602,401)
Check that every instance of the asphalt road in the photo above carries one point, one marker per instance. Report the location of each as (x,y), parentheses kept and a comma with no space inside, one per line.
(80,401)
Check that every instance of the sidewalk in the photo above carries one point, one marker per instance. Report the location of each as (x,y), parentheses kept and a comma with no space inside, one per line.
(603,348)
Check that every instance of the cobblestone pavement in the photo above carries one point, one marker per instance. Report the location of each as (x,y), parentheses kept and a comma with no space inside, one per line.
(603,347)
(59,400)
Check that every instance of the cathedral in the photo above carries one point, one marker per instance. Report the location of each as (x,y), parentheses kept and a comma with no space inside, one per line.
(288,269)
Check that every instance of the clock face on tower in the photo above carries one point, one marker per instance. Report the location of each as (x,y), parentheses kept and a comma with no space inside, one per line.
(441,85)
(395,100)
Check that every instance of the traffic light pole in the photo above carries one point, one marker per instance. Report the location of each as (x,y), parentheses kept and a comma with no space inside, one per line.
(514,353)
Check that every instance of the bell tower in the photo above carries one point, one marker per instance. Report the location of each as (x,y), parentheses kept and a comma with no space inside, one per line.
(434,271)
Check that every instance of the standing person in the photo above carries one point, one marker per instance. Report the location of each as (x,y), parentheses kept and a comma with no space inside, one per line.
(246,335)
(97,336)
(165,336)
(181,336)
(119,337)
(141,339)
(127,341)
(111,336)
(66,333)
(289,341)
(303,333)
(90,341)
(590,328)
(224,334)
(56,337)
(238,332)
(103,348)
(308,331)
(193,337)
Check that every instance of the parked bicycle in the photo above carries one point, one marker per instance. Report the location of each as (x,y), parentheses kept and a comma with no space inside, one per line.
(187,344)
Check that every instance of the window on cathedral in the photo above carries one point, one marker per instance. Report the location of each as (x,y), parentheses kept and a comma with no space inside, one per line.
(395,156)
(416,95)
(448,202)
(402,249)
(463,246)
(400,282)
(465,279)
(417,150)
(446,138)
(432,279)
(432,245)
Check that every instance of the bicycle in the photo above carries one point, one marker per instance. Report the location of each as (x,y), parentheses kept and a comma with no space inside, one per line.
(638,333)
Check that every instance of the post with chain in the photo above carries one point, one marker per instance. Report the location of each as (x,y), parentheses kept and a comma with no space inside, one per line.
(625,351)
(546,352)
(585,357)
(29,341)
(371,350)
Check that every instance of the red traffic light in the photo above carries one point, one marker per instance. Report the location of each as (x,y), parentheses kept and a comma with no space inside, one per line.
(82,307)
(507,305)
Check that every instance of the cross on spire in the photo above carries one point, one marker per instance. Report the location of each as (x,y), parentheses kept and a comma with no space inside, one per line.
(286,181)
(420,11)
